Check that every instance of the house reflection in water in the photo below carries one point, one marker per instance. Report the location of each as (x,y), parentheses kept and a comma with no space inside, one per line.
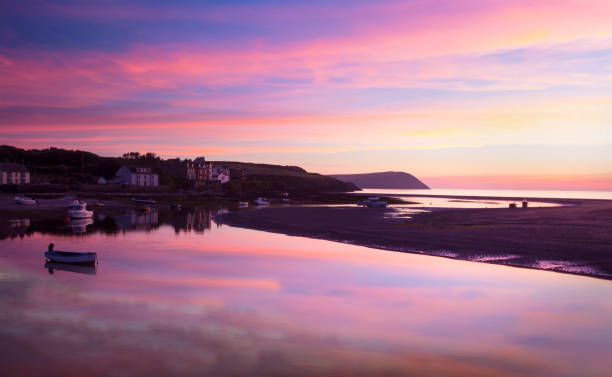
(197,220)
(14,228)
(137,220)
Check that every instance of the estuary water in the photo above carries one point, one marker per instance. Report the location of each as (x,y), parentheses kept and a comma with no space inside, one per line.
(176,295)
(556,194)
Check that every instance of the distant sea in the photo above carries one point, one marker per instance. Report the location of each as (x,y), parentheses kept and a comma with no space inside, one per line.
(500,193)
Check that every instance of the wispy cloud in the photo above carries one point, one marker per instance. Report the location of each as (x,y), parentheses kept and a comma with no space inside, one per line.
(308,78)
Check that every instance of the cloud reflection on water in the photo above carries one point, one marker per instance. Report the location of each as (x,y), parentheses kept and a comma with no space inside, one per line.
(240,302)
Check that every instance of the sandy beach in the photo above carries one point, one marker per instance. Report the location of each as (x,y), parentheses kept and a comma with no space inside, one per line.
(573,238)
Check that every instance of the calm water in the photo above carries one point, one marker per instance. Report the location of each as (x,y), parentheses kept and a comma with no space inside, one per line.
(500,193)
(174,294)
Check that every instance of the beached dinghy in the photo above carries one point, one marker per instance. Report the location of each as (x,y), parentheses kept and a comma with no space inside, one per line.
(262,202)
(373,201)
(69,256)
(24,200)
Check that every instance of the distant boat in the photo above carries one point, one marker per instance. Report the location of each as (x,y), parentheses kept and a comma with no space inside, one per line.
(262,201)
(142,199)
(78,210)
(373,201)
(70,257)
(525,203)
(512,205)
(24,200)
(243,204)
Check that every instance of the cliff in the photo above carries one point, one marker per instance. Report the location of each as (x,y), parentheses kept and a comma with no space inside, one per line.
(383,180)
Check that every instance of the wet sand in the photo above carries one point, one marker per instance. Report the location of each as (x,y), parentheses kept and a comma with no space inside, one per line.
(574,238)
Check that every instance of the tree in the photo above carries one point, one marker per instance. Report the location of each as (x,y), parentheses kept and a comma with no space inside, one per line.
(131,155)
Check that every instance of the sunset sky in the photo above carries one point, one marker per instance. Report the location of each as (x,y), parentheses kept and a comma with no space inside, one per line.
(471,93)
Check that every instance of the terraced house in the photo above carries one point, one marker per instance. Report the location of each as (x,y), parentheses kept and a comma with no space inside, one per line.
(13,174)
(136,175)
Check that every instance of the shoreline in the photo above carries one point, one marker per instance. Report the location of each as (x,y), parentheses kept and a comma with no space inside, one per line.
(574,238)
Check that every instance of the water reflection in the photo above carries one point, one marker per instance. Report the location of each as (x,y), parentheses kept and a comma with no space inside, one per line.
(136,220)
(77,268)
(80,225)
(194,219)
(169,300)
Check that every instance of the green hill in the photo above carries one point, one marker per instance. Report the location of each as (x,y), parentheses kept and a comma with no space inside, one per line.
(286,178)
(54,165)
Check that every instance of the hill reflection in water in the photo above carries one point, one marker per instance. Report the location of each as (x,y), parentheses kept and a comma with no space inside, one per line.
(193,219)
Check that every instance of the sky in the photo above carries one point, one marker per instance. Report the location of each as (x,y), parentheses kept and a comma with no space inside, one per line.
(472,93)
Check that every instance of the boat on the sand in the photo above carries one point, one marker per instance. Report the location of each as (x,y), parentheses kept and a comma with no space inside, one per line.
(262,202)
(24,200)
(373,201)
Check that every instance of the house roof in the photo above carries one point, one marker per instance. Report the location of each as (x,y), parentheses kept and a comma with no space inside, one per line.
(12,166)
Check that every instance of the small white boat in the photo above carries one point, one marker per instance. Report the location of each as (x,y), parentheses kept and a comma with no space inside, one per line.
(24,200)
(243,204)
(262,202)
(78,210)
(70,257)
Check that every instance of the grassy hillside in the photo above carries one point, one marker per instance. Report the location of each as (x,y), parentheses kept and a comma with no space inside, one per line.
(286,178)
(54,165)
(60,165)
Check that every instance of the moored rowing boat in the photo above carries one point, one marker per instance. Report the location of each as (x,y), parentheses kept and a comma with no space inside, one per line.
(70,257)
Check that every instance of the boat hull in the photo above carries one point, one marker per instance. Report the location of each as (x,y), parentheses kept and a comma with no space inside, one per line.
(71,257)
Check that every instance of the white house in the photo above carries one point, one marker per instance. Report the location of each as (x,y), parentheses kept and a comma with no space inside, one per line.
(13,174)
(136,175)
(220,173)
